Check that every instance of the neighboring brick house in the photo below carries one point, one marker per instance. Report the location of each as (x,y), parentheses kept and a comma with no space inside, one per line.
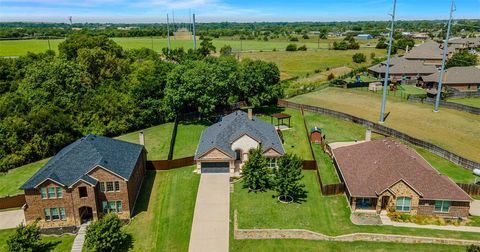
(85,180)
(465,79)
(387,175)
(224,146)
(402,69)
(429,53)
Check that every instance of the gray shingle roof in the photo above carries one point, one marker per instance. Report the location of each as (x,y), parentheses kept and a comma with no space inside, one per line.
(457,75)
(221,135)
(74,161)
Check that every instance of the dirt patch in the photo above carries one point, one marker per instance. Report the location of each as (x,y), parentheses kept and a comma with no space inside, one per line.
(365,219)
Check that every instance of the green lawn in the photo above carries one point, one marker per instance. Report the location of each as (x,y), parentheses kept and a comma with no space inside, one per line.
(328,215)
(403,91)
(164,211)
(453,130)
(276,245)
(60,243)
(188,135)
(157,140)
(296,139)
(11,181)
(474,102)
(325,166)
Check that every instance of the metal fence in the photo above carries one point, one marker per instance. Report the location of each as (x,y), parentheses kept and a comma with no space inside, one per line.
(439,151)
(450,105)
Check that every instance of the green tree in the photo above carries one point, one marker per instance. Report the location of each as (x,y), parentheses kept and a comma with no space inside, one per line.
(255,171)
(107,234)
(473,248)
(382,43)
(288,176)
(462,59)
(206,46)
(69,48)
(342,45)
(226,50)
(403,43)
(302,48)
(359,58)
(291,48)
(259,82)
(26,239)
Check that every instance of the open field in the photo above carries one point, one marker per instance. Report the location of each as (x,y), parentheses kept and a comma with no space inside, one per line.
(276,245)
(403,91)
(474,102)
(325,214)
(451,129)
(303,62)
(59,243)
(164,211)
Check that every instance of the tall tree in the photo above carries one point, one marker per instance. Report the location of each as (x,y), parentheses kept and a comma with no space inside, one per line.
(462,59)
(255,171)
(288,176)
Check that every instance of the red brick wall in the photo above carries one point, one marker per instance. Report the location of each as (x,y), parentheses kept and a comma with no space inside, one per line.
(136,179)
(457,209)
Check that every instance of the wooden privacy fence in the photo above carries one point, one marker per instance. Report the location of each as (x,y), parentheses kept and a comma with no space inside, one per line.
(439,151)
(12,201)
(471,189)
(309,164)
(169,164)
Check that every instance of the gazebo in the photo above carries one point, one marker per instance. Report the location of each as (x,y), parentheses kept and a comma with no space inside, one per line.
(280,118)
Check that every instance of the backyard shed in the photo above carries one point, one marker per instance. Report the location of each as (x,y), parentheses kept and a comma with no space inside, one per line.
(316,135)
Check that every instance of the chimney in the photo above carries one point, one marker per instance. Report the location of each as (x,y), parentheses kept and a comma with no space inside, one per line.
(250,114)
(141,138)
(368,135)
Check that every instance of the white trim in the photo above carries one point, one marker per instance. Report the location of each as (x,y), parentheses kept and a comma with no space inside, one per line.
(50,180)
(80,179)
(396,182)
(106,169)
(215,148)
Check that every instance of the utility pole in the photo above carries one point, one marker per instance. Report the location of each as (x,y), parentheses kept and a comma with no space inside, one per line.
(49,47)
(387,71)
(194,37)
(444,57)
(151,37)
(168,34)
(173,23)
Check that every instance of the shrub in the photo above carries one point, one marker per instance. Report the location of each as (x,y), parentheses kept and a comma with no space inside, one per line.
(288,176)
(372,55)
(317,71)
(291,48)
(473,248)
(305,36)
(107,234)
(359,58)
(293,39)
(255,171)
(226,50)
(26,239)
(274,49)
(331,76)
(302,48)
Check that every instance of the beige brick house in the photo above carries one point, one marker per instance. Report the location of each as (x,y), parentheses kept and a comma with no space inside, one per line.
(387,175)
(91,177)
(224,146)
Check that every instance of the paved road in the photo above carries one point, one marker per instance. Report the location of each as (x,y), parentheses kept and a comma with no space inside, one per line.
(475,208)
(11,219)
(210,228)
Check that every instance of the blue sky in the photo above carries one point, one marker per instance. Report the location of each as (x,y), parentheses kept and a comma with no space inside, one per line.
(229,10)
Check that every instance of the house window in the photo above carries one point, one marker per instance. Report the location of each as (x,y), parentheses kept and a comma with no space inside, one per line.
(102,186)
(46,211)
(442,206)
(363,203)
(238,155)
(82,192)
(469,87)
(403,204)
(51,192)
(54,212)
(272,163)
(43,191)
(109,186)
(62,213)
(117,186)
(59,192)
(112,206)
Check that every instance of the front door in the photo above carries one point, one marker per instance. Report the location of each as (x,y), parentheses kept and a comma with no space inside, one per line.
(385,200)
(85,213)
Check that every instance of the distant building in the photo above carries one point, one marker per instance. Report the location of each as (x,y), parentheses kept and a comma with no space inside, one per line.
(465,79)
(402,69)
(429,52)
(364,36)
(419,35)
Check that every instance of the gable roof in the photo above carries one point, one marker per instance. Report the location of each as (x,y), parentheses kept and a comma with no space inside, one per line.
(401,65)
(233,126)
(369,168)
(73,162)
(427,50)
(456,75)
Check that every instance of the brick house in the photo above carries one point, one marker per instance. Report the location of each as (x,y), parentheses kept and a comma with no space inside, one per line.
(224,146)
(93,176)
(387,175)
(464,79)
(402,69)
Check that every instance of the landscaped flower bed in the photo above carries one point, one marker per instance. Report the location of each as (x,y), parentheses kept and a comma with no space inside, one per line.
(425,219)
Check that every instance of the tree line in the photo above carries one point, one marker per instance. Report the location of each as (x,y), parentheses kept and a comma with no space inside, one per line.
(94,86)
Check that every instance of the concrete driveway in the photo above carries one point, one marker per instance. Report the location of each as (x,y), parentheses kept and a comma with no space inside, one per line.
(210,228)
(11,219)
(475,208)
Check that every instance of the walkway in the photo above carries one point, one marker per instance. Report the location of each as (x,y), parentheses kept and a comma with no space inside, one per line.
(387,221)
(11,219)
(210,228)
(80,238)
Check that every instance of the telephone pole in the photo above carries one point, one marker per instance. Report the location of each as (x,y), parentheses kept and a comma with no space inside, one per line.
(444,57)
(194,37)
(168,34)
(387,71)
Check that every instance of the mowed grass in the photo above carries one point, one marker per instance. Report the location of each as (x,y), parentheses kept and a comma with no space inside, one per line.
(59,243)
(188,135)
(301,63)
(329,215)
(474,101)
(295,138)
(164,211)
(456,131)
(10,182)
(157,140)
(276,245)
